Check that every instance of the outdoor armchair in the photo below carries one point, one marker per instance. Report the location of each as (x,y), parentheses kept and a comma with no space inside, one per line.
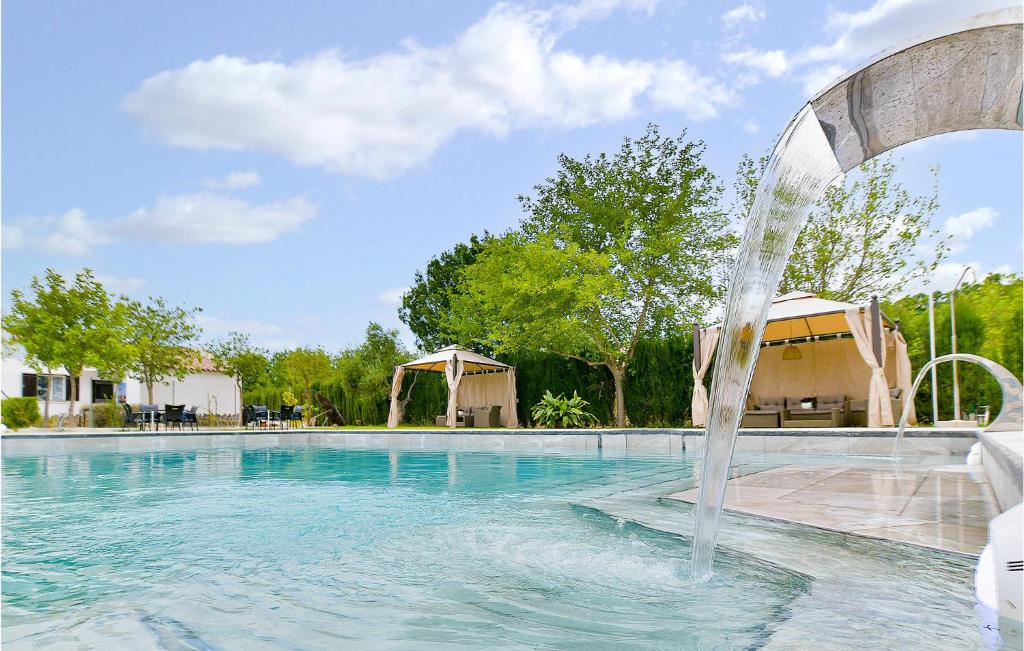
(766,413)
(174,415)
(191,418)
(131,418)
(487,416)
(286,415)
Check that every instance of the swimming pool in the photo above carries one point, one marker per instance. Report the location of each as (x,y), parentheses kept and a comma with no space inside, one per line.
(234,545)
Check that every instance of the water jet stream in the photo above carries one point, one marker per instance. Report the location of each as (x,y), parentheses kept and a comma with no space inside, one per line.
(963,76)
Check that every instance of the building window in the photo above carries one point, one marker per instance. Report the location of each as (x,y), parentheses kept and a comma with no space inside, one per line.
(56,386)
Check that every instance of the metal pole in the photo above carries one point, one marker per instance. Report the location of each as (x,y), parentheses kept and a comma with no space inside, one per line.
(931,358)
(696,347)
(952,325)
(876,330)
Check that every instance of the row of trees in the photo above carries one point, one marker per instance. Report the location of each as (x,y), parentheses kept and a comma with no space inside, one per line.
(616,249)
(76,323)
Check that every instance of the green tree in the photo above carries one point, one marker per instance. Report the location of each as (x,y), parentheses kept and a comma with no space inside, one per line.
(612,249)
(366,371)
(426,304)
(161,340)
(304,366)
(863,238)
(72,325)
(235,355)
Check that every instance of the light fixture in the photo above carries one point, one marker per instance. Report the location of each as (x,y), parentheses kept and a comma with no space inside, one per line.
(791,353)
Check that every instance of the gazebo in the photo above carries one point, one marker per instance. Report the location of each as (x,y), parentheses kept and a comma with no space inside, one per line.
(817,347)
(473,381)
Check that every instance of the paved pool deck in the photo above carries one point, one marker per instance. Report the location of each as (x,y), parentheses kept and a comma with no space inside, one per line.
(946,508)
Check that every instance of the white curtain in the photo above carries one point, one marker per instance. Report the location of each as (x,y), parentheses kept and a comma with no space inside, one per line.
(509,411)
(904,381)
(396,389)
(879,407)
(453,373)
(699,405)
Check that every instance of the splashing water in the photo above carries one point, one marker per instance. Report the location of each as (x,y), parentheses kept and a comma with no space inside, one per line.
(800,169)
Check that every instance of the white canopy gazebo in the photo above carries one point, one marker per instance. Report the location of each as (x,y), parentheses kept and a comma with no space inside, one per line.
(814,346)
(473,381)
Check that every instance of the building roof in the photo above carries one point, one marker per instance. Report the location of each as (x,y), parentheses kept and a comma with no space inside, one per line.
(437,362)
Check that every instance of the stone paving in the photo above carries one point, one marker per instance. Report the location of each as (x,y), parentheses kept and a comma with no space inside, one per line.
(945,507)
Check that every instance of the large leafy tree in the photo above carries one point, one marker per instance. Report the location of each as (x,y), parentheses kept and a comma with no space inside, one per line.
(70,324)
(612,249)
(426,304)
(863,238)
(161,339)
(235,355)
(305,366)
(366,370)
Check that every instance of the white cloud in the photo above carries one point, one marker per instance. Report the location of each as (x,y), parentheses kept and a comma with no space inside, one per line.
(121,284)
(772,62)
(817,78)
(750,126)
(208,218)
(68,234)
(745,13)
(886,23)
(200,218)
(391,297)
(233,181)
(966,225)
(382,115)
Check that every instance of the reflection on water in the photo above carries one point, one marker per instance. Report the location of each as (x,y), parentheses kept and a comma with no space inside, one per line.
(318,547)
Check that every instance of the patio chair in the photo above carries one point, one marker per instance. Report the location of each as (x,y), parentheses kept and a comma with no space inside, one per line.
(486,416)
(328,411)
(765,414)
(285,415)
(248,416)
(297,415)
(174,415)
(131,418)
(191,418)
(857,410)
(261,415)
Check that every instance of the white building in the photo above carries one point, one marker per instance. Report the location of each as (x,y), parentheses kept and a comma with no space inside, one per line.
(212,391)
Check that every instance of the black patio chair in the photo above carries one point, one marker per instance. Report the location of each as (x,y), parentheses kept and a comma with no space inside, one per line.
(174,415)
(131,418)
(191,418)
(285,415)
(297,414)
(261,414)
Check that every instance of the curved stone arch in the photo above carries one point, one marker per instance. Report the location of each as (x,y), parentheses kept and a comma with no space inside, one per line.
(1010,414)
(961,77)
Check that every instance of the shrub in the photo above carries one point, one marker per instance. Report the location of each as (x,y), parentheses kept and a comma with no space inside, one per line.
(20,412)
(560,411)
(107,414)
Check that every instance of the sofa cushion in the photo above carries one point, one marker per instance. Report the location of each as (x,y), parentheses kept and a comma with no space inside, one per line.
(830,402)
(770,404)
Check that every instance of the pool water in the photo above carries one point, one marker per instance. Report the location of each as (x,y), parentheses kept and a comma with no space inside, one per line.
(236,547)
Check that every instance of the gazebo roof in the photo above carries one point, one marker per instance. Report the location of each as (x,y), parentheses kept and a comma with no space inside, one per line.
(437,362)
(801,314)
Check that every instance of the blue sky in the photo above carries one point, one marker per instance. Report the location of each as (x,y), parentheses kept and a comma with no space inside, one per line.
(288,166)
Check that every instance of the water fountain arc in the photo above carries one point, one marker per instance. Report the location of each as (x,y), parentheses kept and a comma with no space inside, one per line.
(1009,418)
(964,76)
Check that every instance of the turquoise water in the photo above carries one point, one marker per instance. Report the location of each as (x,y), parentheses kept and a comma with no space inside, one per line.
(318,547)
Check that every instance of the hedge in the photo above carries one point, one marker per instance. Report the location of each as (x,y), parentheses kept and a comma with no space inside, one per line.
(20,412)
(658,388)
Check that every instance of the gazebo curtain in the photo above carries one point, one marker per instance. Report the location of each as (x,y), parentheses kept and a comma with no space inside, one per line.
(879,407)
(396,390)
(904,375)
(510,414)
(453,373)
(699,404)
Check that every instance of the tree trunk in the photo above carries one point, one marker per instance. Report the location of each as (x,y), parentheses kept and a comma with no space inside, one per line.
(619,375)
(241,407)
(149,389)
(46,400)
(74,396)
